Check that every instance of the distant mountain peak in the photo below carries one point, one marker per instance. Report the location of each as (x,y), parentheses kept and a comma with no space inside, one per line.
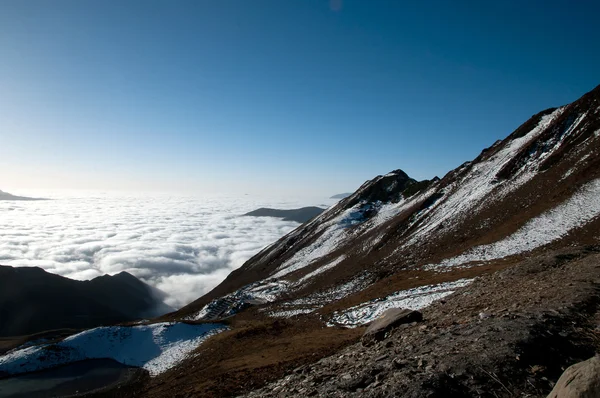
(7,196)
(298,215)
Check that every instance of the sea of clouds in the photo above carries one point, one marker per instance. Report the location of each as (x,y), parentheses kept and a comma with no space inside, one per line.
(183,245)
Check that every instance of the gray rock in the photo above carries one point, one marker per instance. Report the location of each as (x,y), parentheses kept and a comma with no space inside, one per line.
(387,321)
(581,380)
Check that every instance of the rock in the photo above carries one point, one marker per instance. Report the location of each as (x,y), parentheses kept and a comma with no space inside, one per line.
(484,315)
(357,383)
(387,321)
(399,363)
(581,380)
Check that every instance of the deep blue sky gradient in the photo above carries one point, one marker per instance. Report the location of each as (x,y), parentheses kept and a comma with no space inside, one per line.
(288,97)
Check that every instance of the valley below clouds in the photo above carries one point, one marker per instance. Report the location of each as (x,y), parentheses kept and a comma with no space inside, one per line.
(182,245)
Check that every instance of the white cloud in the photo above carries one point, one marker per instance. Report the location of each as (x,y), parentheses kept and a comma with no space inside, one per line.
(182,245)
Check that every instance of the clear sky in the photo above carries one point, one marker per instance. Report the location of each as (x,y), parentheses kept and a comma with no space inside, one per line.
(283,96)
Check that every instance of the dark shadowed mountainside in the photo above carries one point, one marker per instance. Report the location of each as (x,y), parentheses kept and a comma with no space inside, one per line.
(301,215)
(33,300)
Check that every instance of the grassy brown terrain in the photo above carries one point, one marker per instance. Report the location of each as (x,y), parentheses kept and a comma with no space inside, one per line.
(248,356)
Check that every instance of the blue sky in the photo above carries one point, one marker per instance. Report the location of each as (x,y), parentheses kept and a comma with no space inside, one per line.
(287,97)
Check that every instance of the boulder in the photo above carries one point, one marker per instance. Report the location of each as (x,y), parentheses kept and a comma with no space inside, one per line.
(387,321)
(581,380)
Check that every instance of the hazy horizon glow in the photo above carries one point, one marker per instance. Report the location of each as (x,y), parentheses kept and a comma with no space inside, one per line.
(268,96)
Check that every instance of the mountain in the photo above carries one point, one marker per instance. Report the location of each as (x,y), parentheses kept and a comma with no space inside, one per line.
(301,215)
(33,300)
(8,196)
(496,266)
(341,195)
(515,230)
(539,188)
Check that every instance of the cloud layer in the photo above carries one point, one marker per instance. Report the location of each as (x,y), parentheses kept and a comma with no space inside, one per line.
(182,245)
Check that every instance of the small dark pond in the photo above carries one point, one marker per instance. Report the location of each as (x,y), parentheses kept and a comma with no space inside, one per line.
(72,379)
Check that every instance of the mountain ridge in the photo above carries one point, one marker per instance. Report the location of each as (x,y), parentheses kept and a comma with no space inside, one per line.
(489,245)
(33,300)
(519,164)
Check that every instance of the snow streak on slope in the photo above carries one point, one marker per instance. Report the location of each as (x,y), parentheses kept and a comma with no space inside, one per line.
(333,234)
(322,269)
(470,191)
(156,347)
(414,299)
(264,291)
(334,231)
(552,225)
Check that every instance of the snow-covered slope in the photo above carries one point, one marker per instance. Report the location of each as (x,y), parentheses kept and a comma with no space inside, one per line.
(156,347)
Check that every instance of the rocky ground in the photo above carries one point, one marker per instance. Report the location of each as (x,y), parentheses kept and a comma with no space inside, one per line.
(509,334)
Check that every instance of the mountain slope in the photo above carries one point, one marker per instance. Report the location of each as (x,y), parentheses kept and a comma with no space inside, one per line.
(536,189)
(33,300)
(497,253)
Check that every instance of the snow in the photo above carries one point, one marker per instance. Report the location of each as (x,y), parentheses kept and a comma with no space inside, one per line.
(290,313)
(473,189)
(552,225)
(266,291)
(414,299)
(334,231)
(322,269)
(325,244)
(568,173)
(318,299)
(200,314)
(156,347)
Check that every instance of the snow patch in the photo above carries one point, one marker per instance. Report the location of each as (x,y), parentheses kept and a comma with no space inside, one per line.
(322,269)
(290,313)
(156,347)
(414,299)
(265,291)
(552,225)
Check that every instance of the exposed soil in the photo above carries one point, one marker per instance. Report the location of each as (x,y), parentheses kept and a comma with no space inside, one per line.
(247,357)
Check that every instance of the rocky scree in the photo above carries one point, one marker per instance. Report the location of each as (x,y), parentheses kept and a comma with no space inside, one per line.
(508,334)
